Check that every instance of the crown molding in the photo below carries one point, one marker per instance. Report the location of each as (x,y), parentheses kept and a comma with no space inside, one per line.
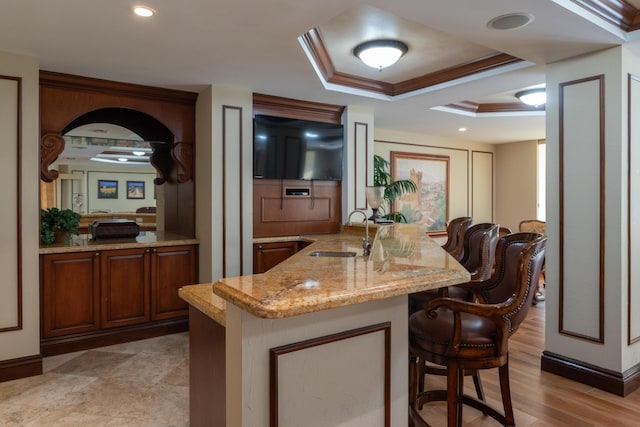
(617,12)
(320,56)
(494,107)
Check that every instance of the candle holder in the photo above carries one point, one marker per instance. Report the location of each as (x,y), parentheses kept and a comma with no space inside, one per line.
(375,198)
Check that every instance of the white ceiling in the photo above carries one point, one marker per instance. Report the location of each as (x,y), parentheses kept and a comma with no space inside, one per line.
(253,44)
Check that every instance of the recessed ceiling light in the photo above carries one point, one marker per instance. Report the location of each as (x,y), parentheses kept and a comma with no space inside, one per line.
(510,21)
(462,129)
(144,11)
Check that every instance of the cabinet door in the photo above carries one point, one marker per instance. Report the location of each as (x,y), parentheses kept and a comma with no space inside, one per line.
(267,255)
(171,268)
(124,284)
(70,293)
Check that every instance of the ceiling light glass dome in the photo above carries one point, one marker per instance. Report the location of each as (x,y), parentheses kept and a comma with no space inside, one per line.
(380,54)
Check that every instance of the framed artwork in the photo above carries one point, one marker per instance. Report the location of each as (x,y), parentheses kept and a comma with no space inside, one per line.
(135,189)
(429,206)
(107,189)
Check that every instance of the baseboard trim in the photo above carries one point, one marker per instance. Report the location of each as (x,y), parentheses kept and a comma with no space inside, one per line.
(104,337)
(22,367)
(618,383)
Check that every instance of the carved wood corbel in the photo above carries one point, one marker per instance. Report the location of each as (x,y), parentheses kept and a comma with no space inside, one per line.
(182,153)
(160,159)
(51,145)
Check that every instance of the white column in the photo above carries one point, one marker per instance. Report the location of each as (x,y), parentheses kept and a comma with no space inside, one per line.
(590,325)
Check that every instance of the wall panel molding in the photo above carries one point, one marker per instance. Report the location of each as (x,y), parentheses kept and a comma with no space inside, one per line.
(581,206)
(360,164)
(11,173)
(479,210)
(232,194)
(275,354)
(633,208)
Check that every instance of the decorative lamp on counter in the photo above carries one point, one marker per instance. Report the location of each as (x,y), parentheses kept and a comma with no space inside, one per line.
(375,198)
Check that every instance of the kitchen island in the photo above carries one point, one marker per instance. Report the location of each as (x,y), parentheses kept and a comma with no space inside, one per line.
(318,340)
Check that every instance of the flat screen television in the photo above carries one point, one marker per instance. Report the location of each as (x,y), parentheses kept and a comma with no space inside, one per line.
(297,149)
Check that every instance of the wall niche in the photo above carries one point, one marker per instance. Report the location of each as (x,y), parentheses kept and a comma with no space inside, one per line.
(157,114)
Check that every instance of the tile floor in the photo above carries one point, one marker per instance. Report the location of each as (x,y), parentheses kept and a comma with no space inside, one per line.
(138,384)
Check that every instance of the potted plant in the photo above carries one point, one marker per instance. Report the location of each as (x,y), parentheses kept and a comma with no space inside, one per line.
(56,222)
(393,189)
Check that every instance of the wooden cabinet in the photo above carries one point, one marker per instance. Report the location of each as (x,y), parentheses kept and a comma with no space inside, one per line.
(104,297)
(71,293)
(268,255)
(124,287)
(171,268)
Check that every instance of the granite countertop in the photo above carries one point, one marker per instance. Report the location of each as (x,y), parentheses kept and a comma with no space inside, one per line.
(84,243)
(403,260)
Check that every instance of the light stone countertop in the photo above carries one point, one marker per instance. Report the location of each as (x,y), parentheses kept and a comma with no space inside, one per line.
(403,260)
(84,243)
(203,298)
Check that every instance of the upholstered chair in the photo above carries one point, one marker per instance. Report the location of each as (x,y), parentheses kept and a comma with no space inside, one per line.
(456,229)
(479,245)
(465,336)
(536,226)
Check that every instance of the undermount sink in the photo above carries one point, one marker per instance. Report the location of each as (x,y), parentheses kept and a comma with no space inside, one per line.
(334,254)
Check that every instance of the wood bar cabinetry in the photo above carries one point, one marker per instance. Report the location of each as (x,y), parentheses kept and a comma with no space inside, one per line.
(70,293)
(124,286)
(171,268)
(103,297)
(268,255)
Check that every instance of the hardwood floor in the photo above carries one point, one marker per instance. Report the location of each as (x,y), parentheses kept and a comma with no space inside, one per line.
(540,398)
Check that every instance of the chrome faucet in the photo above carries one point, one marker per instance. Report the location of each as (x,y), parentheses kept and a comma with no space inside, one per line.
(366,243)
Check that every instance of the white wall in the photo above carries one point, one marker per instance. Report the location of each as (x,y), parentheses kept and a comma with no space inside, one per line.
(516,183)
(25,341)
(461,154)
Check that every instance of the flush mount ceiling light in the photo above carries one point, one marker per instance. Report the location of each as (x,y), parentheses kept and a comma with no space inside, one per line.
(144,11)
(380,53)
(533,97)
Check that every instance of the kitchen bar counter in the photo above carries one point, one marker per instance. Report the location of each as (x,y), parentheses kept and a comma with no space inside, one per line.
(314,338)
(84,243)
(403,260)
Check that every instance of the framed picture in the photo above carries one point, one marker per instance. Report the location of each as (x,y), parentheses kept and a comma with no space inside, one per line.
(428,206)
(107,189)
(135,189)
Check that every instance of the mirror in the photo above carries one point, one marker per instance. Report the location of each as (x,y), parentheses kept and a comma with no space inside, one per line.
(104,173)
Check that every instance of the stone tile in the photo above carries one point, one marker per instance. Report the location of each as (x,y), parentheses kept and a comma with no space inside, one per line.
(93,363)
(19,415)
(174,344)
(52,362)
(10,389)
(168,405)
(178,376)
(139,384)
(53,393)
(145,368)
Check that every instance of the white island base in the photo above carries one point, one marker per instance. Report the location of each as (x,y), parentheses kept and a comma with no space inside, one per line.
(315,341)
(341,367)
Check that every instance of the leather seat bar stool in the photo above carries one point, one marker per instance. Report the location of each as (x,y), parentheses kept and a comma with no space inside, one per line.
(479,245)
(461,335)
(456,230)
